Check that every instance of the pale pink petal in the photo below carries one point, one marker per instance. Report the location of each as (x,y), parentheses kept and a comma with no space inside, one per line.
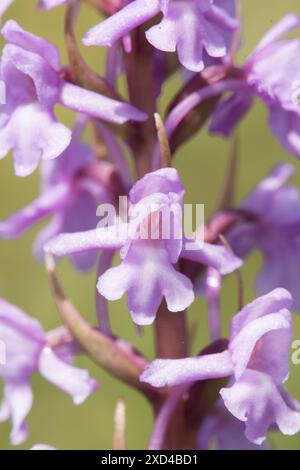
(284,26)
(225,431)
(14,34)
(176,288)
(216,256)
(285,126)
(170,372)
(257,401)
(73,381)
(165,181)
(272,302)
(246,346)
(146,275)
(121,23)
(99,106)
(112,237)
(19,398)
(33,134)
(30,215)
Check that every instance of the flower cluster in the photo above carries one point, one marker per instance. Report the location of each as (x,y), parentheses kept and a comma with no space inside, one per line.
(231,393)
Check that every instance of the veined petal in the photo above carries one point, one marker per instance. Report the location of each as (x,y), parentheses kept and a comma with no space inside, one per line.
(14,34)
(287,24)
(190,27)
(99,106)
(222,428)
(180,30)
(147,275)
(114,282)
(40,208)
(121,23)
(272,302)
(137,275)
(262,199)
(285,126)
(216,256)
(220,17)
(73,381)
(165,181)
(177,290)
(257,401)
(24,339)
(19,400)
(33,134)
(170,372)
(112,237)
(33,78)
(253,346)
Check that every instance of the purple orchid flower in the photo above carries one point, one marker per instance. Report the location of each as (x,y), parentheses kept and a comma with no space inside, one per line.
(191,27)
(225,431)
(31,70)
(271,73)
(72,188)
(26,351)
(257,358)
(148,251)
(274,230)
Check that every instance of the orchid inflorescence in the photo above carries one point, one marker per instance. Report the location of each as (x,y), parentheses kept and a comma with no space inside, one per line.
(231,393)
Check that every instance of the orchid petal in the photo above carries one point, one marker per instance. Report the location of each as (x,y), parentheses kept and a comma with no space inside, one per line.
(73,381)
(170,372)
(99,106)
(19,398)
(30,215)
(111,238)
(121,23)
(14,34)
(260,410)
(216,256)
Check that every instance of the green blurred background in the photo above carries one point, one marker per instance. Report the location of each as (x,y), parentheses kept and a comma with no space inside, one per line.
(202,163)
